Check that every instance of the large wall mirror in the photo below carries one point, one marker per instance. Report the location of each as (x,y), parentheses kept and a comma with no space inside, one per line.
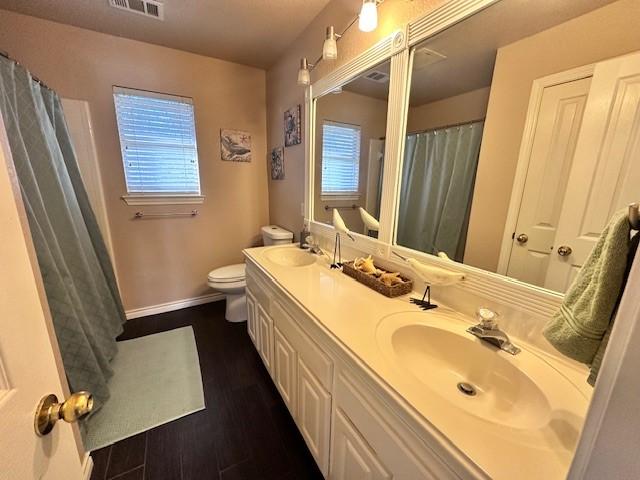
(523,136)
(350,126)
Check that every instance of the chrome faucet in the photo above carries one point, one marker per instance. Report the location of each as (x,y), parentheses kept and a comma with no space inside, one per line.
(313,247)
(488,331)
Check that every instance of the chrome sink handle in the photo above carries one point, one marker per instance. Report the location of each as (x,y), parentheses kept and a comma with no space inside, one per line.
(488,318)
(488,331)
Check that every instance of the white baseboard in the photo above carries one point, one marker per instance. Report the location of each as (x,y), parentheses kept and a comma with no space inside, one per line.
(175,305)
(87,466)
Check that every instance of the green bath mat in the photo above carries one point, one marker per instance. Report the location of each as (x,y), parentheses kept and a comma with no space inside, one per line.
(156,380)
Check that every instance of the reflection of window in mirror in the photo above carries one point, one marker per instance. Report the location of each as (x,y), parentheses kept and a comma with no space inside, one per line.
(509,154)
(349,136)
(340,160)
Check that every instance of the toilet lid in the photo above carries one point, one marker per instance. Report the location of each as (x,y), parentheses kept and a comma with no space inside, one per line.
(228,274)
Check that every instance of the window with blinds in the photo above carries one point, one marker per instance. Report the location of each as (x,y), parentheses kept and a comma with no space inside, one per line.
(158,142)
(340,158)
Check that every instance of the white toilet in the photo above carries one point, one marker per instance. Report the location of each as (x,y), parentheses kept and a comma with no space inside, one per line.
(231,280)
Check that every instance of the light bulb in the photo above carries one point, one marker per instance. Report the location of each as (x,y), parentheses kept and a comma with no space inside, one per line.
(368,16)
(304,78)
(330,46)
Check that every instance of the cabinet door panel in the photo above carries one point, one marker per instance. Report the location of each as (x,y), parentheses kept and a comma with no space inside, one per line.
(314,416)
(351,457)
(315,359)
(251,318)
(284,369)
(265,338)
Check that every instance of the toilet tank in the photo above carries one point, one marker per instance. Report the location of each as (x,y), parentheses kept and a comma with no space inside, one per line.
(275,235)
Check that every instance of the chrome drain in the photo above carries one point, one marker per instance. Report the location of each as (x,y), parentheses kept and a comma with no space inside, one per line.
(467,389)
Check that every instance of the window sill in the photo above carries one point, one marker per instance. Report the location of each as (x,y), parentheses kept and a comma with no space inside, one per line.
(163,199)
(332,197)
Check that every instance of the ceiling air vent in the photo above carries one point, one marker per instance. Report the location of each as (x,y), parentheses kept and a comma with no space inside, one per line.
(378,77)
(425,56)
(148,8)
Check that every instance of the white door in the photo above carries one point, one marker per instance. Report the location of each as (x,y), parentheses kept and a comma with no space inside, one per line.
(606,173)
(29,368)
(554,141)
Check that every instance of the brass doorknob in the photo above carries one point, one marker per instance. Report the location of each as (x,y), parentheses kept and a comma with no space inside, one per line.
(522,238)
(564,251)
(49,411)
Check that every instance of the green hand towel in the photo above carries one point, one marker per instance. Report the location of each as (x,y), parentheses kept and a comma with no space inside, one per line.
(597,360)
(578,329)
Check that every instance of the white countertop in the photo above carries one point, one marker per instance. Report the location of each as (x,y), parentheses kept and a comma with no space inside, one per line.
(351,312)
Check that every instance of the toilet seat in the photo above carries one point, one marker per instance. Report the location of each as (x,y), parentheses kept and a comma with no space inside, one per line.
(228,275)
(231,281)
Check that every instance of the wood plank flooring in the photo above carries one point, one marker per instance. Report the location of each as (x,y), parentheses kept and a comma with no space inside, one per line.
(246,431)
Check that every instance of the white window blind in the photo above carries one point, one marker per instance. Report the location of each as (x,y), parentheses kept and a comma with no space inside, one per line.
(158,142)
(340,158)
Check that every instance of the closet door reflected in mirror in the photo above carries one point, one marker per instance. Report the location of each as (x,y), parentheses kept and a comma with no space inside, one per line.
(350,126)
(522,136)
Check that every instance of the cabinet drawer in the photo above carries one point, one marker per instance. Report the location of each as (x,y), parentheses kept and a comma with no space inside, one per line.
(259,288)
(391,441)
(315,359)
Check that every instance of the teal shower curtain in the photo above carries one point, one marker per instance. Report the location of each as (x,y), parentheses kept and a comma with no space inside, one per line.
(438,175)
(76,269)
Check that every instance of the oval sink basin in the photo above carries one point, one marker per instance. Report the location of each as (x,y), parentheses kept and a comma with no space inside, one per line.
(435,349)
(290,257)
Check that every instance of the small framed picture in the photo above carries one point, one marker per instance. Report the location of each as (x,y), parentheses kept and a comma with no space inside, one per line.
(292,131)
(277,163)
(235,146)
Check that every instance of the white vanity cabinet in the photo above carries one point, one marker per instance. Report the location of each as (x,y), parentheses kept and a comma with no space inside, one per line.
(377,442)
(301,371)
(351,431)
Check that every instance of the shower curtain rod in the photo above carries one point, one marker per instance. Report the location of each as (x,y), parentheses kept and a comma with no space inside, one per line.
(461,124)
(35,79)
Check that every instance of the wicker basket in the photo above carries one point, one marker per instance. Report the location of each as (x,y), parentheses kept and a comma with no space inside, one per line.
(374,282)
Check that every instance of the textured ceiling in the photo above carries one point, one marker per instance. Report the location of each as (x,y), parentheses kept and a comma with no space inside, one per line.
(251,32)
(470,47)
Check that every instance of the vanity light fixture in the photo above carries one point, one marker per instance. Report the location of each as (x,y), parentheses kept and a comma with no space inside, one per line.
(330,46)
(367,22)
(304,77)
(368,16)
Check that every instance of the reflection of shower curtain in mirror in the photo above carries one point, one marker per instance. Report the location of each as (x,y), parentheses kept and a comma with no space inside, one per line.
(376,212)
(438,175)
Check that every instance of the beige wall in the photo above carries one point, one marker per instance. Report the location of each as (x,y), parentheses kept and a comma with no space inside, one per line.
(461,108)
(166,259)
(598,35)
(286,196)
(371,115)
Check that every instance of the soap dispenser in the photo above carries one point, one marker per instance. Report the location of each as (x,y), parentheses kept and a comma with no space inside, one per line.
(303,236)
